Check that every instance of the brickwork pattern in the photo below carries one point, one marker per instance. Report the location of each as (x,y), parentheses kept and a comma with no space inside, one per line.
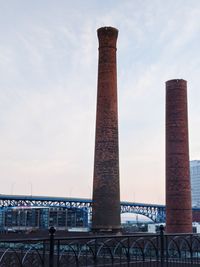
(106,192)
(178,190)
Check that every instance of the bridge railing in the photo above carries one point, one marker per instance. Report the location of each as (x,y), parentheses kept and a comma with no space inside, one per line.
(144,250)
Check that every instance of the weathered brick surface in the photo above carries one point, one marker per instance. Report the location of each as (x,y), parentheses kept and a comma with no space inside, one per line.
(178,190)
(106,193)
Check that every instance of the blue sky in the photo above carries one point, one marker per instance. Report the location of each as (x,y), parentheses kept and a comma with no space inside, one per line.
(48,83)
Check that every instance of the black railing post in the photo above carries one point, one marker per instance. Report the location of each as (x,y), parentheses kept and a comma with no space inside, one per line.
(95,252)
(162,251)
(58,254)
(128,253)
(191,248)
(44,253)
(52,231)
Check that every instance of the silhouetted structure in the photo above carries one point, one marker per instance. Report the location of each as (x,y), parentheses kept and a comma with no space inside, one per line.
(178,191)
(106,193)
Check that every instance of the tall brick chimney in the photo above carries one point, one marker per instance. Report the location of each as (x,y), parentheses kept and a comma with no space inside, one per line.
(178,190)
(106,192)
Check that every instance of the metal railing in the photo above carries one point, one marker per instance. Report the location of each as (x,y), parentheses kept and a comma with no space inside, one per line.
(147,250)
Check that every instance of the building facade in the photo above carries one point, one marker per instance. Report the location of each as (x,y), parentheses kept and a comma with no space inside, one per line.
(27,219)
(195,182)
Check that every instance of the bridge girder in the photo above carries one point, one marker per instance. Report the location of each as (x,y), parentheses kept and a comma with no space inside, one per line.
(153,211)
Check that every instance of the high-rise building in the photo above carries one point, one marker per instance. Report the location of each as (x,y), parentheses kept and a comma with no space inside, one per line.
(195,182)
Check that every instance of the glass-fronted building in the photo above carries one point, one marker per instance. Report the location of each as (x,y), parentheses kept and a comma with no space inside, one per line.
(195,182)
(15,219)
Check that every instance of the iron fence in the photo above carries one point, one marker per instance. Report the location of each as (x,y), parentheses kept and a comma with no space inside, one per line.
(147,250)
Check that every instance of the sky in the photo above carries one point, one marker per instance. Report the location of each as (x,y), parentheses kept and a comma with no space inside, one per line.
(48,86)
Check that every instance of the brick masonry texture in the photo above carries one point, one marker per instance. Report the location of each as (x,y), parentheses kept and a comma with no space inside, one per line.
(106,192)
(178,190)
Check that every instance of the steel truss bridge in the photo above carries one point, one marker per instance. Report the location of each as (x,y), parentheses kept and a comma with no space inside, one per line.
(153,211)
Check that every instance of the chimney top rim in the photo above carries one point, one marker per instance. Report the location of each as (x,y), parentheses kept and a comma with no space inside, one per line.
(107,28)
(176,81)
